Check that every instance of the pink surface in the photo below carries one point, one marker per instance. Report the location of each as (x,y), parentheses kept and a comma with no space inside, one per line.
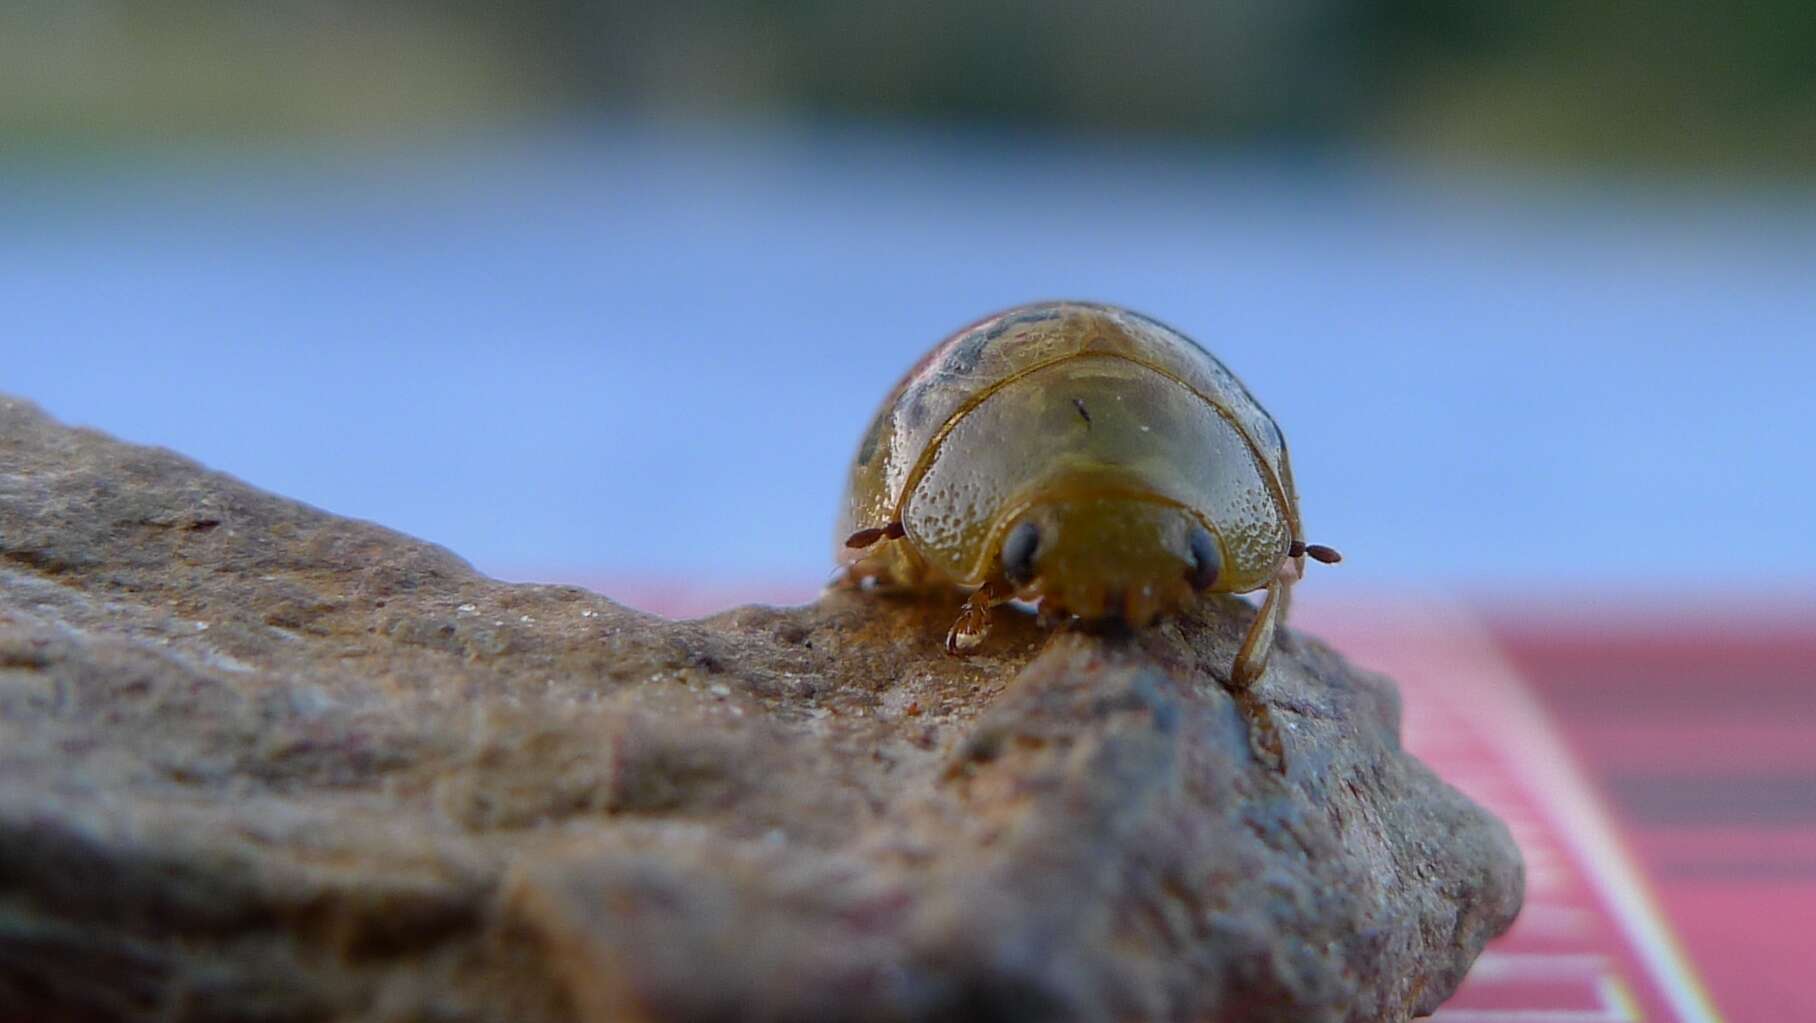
(1590,945)
(1704,740)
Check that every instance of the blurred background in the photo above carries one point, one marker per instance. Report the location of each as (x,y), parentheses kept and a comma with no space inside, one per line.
(605,293)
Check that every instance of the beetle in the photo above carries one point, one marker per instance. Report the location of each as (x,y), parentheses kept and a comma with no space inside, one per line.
(1082,456)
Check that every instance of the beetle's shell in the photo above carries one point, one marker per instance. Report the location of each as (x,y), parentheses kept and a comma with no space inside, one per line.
(977,426)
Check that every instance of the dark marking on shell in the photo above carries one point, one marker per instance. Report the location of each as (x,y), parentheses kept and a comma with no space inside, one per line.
(872,437)
(965,355)
(1079,404)
(914,406)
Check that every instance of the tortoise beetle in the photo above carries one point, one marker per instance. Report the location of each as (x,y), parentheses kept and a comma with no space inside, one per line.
(1083,456)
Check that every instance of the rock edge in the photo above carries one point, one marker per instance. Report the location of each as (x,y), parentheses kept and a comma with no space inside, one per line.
(261,762)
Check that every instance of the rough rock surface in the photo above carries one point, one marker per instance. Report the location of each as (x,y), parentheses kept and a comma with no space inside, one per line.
(261,762)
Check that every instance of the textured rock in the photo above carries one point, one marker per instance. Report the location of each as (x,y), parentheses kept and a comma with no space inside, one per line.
(260,762)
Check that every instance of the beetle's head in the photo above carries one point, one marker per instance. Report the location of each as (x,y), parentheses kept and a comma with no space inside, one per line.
(1109,556)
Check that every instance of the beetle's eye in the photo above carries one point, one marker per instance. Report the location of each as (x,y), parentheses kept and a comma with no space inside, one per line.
(1018,553)
(1206,562)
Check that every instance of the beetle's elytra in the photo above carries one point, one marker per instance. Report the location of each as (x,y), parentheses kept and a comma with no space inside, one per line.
(1083,456)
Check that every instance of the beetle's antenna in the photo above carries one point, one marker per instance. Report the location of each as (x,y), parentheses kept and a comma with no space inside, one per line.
(1316,551)
(865,537)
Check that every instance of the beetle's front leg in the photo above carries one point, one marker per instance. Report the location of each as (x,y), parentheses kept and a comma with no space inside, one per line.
(1251,664)
(890,567)
(1251,659)
(973,622)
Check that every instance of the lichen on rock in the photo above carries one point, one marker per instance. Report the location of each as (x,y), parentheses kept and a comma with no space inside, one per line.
(261,762)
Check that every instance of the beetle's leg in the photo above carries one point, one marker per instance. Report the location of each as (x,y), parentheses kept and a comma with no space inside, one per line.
(1251,659)
(1251,663)
(887,567)
(974,618)
(864,574)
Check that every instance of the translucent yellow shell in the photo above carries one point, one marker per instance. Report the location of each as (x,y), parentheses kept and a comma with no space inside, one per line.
(1068,401)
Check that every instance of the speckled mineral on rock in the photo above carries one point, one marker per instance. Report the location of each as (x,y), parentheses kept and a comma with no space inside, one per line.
(379,785)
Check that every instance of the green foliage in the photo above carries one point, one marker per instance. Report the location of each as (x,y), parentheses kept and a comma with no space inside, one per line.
(1673,82)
